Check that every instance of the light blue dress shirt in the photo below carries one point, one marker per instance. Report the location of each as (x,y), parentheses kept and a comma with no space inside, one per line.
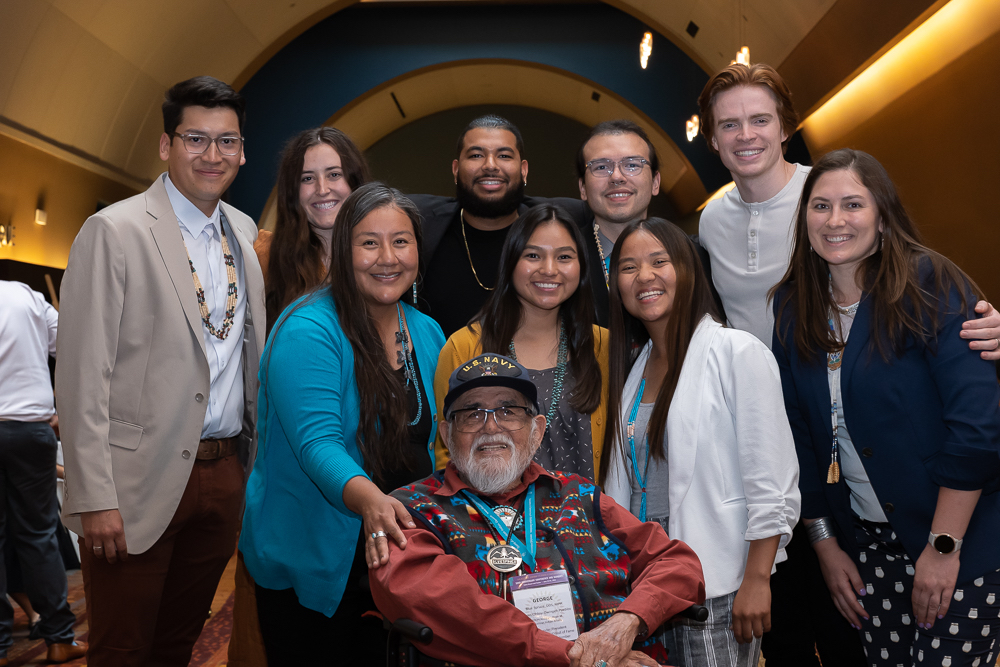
(201,234)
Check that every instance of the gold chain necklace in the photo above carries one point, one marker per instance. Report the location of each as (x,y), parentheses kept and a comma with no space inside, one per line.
(461,219)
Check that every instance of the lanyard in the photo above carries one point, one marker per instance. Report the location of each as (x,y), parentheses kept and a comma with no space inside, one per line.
(640,479)
(500,529)
(834,360)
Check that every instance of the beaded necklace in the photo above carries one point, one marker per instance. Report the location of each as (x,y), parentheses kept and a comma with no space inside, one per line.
(604,262)
(410,369)
(557,383)
(231,293)
(833,363)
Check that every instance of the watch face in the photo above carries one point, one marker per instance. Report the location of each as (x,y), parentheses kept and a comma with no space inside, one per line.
(945,544)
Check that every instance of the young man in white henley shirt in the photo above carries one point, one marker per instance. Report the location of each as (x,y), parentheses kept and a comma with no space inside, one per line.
(747,118)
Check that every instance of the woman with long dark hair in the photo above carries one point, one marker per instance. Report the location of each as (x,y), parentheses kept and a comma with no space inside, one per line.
(541,313)
(697,438)
(346,414)
(896,422)
(319,169)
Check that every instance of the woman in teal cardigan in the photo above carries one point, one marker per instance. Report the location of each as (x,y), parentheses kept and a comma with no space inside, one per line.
(343,420)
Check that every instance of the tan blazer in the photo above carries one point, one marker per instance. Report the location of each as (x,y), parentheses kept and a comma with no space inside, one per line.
(132,381)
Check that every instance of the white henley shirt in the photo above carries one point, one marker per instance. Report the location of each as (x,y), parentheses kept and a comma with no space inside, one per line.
(750,246)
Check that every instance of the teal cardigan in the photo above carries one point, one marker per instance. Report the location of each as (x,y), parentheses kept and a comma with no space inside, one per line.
(297,532)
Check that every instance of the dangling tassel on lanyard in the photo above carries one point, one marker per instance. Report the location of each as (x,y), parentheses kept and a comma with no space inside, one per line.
(639,479)
(833,363)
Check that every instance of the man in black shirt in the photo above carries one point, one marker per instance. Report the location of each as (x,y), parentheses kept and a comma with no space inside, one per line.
(464,235)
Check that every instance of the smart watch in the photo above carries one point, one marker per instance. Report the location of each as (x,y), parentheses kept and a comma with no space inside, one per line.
(944,543)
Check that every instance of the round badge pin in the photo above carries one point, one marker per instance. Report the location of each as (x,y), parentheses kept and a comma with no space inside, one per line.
(504,558)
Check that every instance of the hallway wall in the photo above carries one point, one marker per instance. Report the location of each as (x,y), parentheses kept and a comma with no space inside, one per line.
(940,144)
(69,193)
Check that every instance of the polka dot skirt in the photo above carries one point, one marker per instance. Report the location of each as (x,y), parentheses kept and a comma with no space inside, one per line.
(965,637)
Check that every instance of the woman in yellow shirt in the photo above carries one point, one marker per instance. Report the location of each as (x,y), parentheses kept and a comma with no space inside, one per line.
(541,313)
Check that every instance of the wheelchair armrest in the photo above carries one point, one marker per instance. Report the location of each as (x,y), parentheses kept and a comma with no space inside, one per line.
(695,612)
(415,632)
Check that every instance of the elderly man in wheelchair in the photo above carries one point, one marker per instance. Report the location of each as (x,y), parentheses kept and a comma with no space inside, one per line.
(511,564)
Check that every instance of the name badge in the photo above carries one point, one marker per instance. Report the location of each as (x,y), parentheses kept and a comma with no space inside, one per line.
(545,597)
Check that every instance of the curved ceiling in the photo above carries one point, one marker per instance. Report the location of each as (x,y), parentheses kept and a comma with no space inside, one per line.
(469,83)
(88,75)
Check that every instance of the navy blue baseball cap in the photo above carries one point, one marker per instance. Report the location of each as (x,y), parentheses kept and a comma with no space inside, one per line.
(490,370)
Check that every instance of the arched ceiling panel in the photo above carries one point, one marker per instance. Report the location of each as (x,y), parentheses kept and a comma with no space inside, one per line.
(90,74)
(365,46)
(770,28)
(433,89)
(462,84)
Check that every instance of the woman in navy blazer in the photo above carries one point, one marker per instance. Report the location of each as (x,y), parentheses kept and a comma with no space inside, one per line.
(898,431)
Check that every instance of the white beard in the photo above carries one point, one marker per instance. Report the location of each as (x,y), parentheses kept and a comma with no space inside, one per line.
(492,475)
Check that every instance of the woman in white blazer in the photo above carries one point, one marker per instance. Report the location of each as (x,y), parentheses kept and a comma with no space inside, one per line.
(720,471)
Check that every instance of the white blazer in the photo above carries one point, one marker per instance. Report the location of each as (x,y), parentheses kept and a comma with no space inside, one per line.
(733,470)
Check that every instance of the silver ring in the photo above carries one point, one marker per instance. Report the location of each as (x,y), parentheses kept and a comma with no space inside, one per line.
(98,548)
(602,663)
(379,534)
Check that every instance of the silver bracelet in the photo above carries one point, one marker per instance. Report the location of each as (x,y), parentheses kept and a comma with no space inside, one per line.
(820,529)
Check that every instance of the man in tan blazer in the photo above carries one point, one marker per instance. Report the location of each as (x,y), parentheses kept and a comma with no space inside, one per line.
(162,326)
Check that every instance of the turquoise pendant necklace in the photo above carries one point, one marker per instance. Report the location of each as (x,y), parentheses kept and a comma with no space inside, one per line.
(410,369)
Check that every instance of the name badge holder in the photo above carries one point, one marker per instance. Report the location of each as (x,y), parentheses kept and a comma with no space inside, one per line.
(546,598)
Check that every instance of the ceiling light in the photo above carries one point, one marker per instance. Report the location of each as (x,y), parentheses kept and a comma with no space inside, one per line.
(692,126)
(40,217)
(645,49)
(742,57)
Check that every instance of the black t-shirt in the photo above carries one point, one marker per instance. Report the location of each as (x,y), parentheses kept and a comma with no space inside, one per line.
(451,294)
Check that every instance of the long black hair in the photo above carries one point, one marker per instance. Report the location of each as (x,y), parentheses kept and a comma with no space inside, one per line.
(382,432)
(501,315)
(692,301)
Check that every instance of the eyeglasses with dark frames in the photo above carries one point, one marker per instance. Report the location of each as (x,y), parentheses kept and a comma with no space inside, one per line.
(199,143)
(507,417)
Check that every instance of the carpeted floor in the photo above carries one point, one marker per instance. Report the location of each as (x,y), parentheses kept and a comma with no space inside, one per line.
(210,651)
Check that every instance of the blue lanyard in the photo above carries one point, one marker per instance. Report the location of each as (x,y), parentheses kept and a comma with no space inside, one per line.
(640,479)
(501,529)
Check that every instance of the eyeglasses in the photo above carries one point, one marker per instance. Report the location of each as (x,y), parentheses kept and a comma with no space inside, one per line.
(508,417)
(199,143)
(630,166)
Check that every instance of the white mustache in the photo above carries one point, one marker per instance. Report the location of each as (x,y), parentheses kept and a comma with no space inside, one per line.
(489,438)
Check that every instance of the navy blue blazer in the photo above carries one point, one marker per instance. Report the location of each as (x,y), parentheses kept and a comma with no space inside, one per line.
(926,419)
